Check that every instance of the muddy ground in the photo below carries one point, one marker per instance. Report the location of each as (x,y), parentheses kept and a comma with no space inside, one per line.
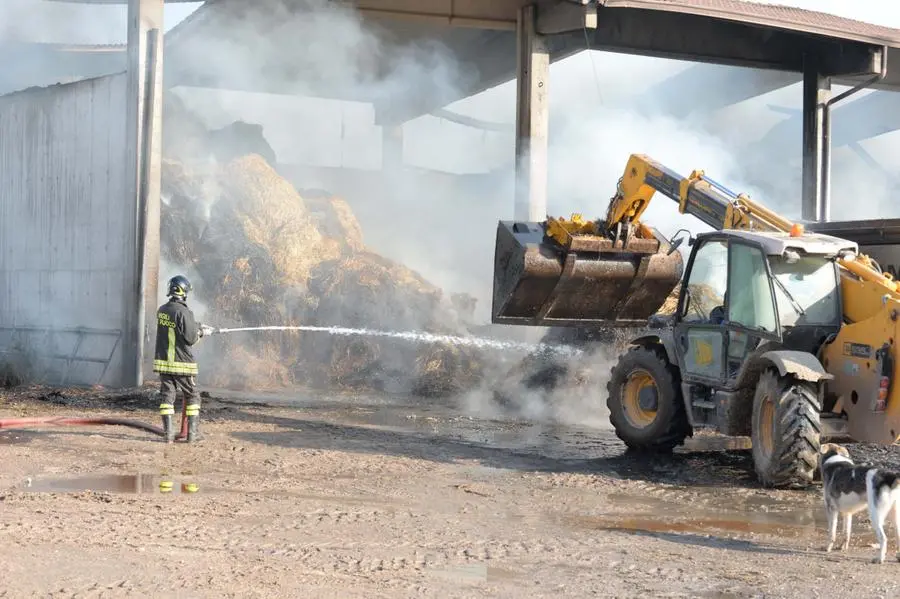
(340,496)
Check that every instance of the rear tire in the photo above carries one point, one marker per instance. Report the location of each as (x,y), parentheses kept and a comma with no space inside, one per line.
(786,430)
(655,430)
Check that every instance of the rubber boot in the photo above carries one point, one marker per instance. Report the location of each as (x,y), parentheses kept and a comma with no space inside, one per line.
(182,436)
(193,422)
(167,428)
(166,411)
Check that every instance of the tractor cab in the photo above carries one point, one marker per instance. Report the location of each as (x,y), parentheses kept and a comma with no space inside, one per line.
(745,292)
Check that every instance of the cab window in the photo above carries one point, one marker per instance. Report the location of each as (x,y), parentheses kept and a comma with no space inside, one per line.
(705,288)
(751,303)
(808,293)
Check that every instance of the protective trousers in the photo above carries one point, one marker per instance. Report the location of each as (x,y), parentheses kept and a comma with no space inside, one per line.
(169,385)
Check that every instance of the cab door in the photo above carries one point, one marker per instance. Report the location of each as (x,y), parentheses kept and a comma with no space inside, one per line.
(699,333)
(752,310)
(727,306)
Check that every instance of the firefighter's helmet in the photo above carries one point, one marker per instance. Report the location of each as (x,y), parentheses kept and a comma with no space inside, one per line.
(179,286)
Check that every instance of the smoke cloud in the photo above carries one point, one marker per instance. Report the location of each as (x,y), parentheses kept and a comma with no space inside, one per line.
(73,23)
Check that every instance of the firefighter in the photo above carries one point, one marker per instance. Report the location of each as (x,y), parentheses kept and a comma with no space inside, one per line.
(176,332)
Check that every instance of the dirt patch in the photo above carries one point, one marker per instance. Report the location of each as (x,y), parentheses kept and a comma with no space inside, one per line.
(348,496)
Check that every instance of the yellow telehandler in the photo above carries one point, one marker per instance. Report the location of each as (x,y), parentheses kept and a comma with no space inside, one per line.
(780,334)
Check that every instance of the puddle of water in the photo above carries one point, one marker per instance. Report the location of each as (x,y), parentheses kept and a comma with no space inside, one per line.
(16,437)
(139,484)
(754,524)
(706,512)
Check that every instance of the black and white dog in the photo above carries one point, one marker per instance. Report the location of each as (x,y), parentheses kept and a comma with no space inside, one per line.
(849,488)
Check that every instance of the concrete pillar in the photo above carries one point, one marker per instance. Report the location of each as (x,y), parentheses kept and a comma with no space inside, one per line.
(143,164)
(391,148)
(816,92)
(532,118)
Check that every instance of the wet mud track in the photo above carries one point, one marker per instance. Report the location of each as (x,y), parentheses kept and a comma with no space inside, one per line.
(377,497)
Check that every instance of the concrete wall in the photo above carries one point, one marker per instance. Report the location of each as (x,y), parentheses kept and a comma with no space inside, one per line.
(66,232)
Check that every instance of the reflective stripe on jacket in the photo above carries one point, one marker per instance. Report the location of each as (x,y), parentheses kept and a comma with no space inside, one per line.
(176,332)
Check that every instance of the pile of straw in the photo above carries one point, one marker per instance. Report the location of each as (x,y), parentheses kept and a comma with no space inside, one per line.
(269,256)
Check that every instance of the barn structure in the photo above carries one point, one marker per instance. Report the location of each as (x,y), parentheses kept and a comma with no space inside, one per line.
(80,153)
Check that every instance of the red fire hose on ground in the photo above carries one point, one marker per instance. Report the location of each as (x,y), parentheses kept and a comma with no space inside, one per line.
(16,423)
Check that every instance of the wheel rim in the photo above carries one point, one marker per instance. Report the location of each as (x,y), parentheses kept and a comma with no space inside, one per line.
(767,427)
(638,416)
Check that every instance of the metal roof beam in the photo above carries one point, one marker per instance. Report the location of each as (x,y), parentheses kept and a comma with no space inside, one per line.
(704,39)
(770,17)
(576,15)
(890,83)
(440,19)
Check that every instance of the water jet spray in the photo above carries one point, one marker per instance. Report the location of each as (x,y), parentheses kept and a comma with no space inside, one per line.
(419,337)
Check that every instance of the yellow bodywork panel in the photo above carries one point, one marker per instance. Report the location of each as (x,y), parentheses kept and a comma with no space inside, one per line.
(863,289)
(634,193)
(853,361)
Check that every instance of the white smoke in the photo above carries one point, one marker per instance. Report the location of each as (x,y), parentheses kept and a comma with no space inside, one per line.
(44,21)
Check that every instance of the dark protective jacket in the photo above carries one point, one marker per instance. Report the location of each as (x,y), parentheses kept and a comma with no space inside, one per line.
(176,332)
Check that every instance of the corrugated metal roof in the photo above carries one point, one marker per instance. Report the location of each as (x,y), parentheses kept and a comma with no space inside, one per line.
(772,15)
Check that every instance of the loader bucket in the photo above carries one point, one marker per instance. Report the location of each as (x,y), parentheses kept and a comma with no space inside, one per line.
(539,283)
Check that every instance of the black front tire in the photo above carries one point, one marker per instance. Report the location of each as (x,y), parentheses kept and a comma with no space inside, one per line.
(786,430)
(669,426)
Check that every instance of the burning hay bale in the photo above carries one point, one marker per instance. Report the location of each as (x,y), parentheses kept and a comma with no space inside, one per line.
(337,223)
(381,290)
(366,290)
(259,208)
(186,197)
(259,246)
(446,368)
(255,366)
(269,256)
